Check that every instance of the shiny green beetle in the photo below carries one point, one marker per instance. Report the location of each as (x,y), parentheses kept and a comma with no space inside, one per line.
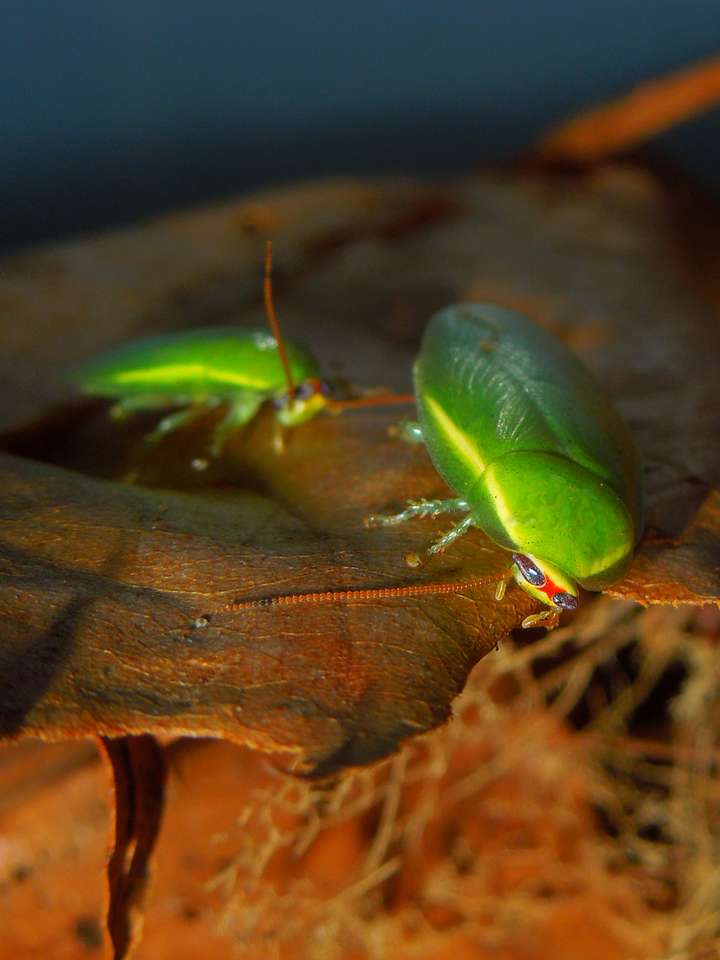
(201,369)
(533,449)
(197,370)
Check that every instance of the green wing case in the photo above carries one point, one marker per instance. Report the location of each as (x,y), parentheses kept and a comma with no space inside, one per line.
(515,424)
(219,361)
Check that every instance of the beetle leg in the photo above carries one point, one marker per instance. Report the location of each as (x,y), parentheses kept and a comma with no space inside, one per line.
(409,431)
(417,508)
(546,618)
(452,535)
(240,412)
(278,437)
(174,421)
(126,406)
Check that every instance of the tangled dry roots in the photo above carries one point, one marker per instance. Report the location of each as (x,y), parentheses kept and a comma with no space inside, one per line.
(574,800)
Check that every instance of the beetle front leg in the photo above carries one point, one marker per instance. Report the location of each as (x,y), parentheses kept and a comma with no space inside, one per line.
(175,421)
(501,588)
(546,618)
(240,412)
(415,509)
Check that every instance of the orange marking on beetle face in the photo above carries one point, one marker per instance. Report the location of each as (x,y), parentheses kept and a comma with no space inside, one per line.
(550,588)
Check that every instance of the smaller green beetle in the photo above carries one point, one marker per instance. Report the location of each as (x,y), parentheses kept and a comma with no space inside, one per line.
(198,370)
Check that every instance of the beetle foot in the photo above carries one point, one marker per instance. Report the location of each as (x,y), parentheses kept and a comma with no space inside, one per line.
(547,618)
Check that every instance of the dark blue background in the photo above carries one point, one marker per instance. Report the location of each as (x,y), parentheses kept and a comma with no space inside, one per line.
(111,110)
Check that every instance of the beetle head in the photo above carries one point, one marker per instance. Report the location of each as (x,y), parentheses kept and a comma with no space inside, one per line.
(545,582)
(308,399)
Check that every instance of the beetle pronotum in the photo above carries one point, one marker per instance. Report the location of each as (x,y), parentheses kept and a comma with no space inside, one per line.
(534,451)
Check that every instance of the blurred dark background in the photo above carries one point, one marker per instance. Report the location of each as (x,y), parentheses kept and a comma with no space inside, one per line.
(111,111)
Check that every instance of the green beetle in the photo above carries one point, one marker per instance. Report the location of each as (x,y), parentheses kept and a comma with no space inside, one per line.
(536,454)
(197,370)
(201,369)
(534,451)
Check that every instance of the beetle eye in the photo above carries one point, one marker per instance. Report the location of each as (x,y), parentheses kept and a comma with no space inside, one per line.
(566,601)
(305,390)
(532,573)
(312,388)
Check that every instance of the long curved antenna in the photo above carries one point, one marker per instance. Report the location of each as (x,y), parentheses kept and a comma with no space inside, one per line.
(272,320)
(380,400)
(362,593)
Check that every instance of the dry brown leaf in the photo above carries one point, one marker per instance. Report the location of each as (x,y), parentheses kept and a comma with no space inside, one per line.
(107,587)
(118,592)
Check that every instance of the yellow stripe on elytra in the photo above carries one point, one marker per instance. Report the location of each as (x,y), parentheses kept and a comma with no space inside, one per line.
(469,452)
(174,372)
(462,443)
(502,509)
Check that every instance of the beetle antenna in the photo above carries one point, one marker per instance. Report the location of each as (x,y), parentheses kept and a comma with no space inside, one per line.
(272,319)
(355,594)
(378,400)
